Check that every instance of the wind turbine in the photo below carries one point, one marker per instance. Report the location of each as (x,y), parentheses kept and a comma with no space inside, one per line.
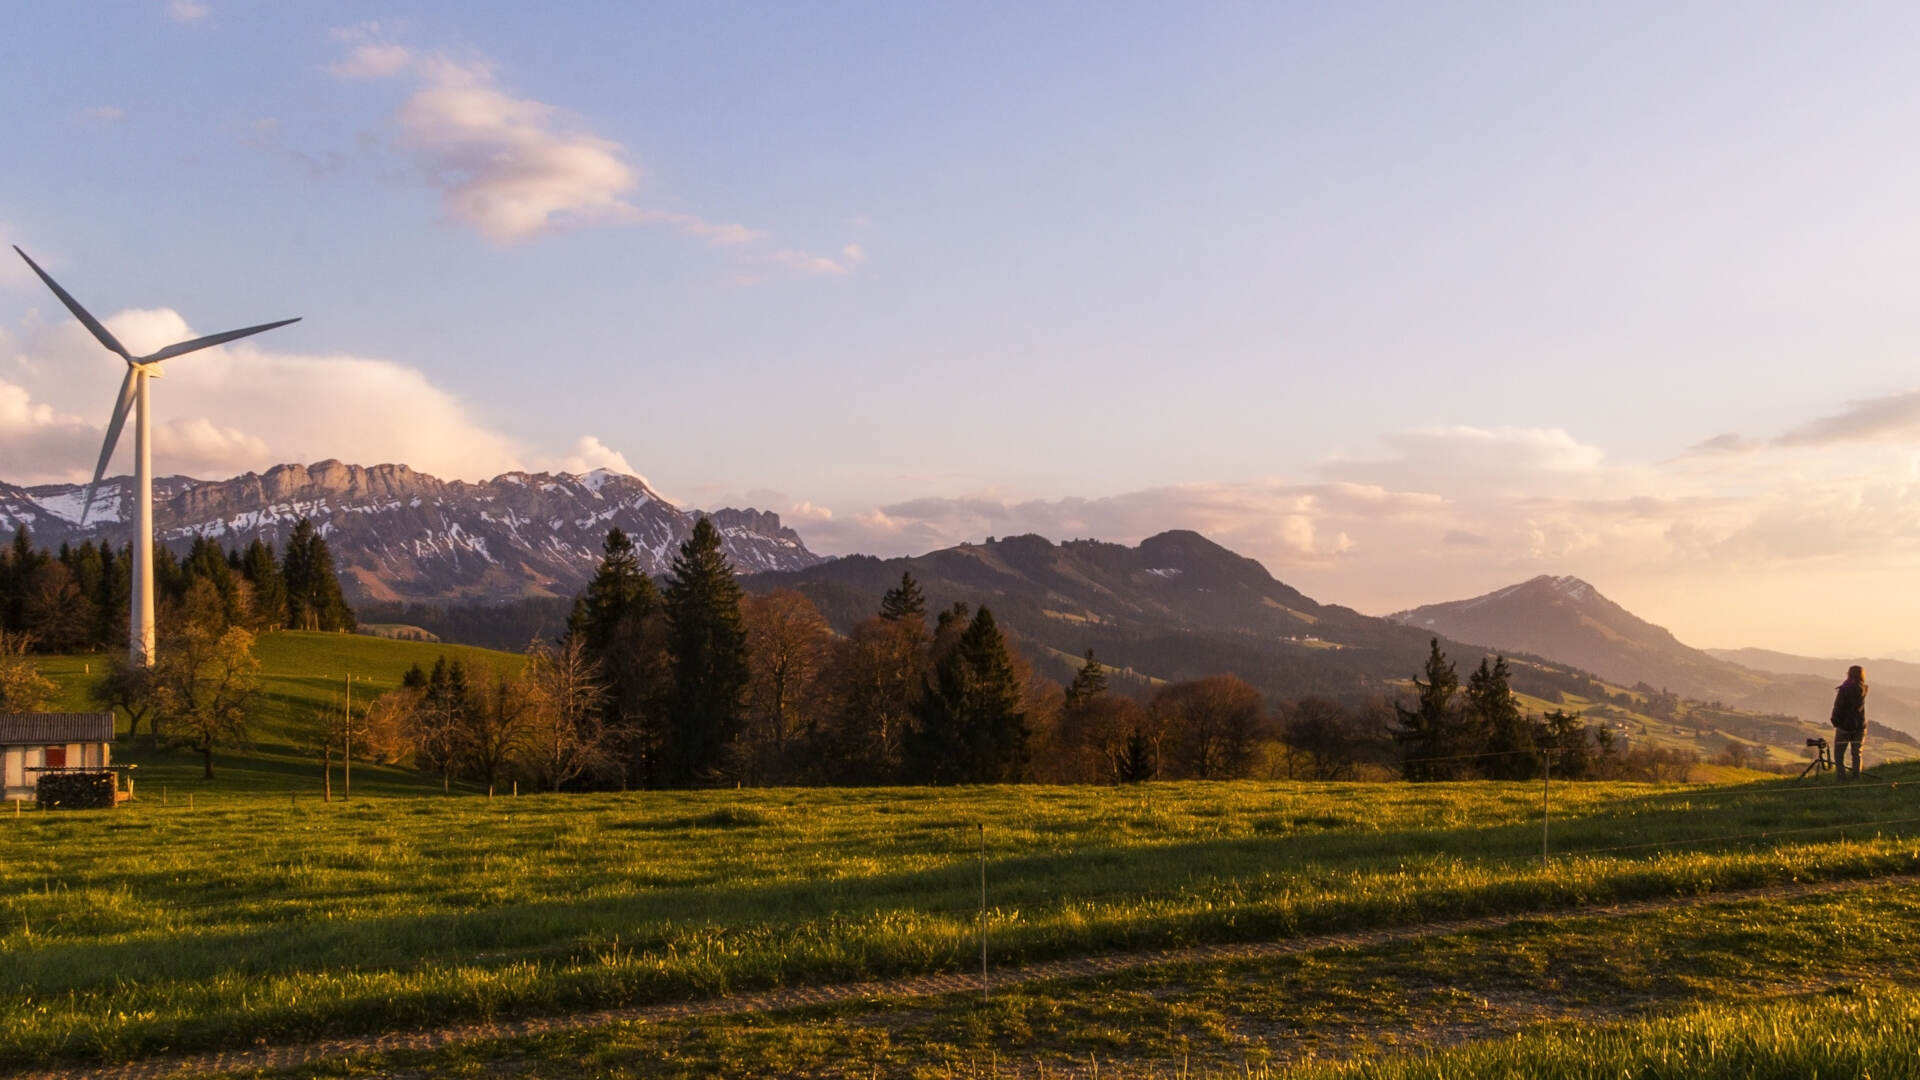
(133,394)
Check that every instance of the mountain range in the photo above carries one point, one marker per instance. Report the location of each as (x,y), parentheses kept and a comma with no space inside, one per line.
(400,535)
(1175,606)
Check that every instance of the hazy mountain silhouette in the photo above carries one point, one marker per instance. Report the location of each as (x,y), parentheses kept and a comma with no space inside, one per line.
(1568,620)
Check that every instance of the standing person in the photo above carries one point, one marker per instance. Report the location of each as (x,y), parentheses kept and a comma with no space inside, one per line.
(1849,721)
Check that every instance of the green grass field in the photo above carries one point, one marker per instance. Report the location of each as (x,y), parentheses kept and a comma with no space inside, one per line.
(261,914)
(1810,987)
(125,931)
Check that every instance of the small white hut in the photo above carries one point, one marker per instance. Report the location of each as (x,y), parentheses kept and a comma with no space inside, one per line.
(33,743)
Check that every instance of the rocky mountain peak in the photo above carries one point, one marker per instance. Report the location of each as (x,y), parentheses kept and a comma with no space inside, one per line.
(398,534)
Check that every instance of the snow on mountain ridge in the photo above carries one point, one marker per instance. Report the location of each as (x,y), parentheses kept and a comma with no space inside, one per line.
(398,534)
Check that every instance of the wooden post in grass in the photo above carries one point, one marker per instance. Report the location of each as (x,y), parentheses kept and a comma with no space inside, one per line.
(1546,810)
(346,740)
(983,911)
(326,771)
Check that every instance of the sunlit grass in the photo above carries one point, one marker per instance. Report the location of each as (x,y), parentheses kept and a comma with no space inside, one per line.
(125,931)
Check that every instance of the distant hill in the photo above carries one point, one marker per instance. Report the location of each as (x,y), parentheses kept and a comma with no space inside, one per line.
(1880,671)
(1175,606)
(1567,620)
(398,535)
(302,680)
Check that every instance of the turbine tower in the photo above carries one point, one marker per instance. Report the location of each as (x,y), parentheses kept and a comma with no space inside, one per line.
(133,394)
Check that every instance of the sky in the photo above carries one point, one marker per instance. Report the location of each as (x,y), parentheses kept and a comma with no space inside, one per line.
(1409,302)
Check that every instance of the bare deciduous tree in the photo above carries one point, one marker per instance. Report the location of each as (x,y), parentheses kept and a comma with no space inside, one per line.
(22,687)
(493,728)
(566,734)
(1213,725)
(876,674)
(787,649)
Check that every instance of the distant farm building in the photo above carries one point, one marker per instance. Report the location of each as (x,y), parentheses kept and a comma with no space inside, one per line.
(32,744)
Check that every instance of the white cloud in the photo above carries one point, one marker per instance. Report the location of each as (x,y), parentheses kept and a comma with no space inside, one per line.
(589,453)
(103,114)
(372,60)
(508,166)
(854,254)
(1445,458)
(187,11)
(512,167)
(794,259)
(32,432)
(12,269)
(1892,416)
(245,406)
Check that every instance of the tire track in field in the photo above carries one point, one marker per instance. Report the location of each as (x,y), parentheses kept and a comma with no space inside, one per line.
(292,1055)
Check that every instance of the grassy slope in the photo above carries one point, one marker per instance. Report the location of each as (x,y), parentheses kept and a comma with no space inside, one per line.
(302,678)
(122,931)
(1726,971)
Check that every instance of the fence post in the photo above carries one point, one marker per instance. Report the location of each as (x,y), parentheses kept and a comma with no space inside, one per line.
(983,911)
(1546,808)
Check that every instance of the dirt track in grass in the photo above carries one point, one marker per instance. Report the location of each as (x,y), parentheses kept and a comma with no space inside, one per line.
(919,986)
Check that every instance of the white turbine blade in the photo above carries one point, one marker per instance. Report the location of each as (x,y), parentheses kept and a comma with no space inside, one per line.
(209,341)
(79,312)
(114,425)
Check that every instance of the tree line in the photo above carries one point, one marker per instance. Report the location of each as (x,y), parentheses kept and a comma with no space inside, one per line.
(693,682)
(76,599)
(210,606)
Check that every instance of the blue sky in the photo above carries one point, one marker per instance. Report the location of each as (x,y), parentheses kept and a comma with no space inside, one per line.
(1408,302)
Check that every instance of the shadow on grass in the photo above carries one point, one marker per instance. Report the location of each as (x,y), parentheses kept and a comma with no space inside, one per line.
(1120,896)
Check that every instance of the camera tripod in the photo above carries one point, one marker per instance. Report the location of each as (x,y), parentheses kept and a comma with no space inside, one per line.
(1821,763)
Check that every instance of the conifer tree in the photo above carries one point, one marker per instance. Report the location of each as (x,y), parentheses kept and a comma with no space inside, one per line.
(619,623)
(1494,724)
(904,601)
(1431,728)
(972,727)
(707,644)
(269,588)
(207,562)
(620,590)
(297,572)
(1088,683)
(1135,765)
(314,601)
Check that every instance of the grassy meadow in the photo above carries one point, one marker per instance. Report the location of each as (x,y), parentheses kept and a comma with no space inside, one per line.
(124,932)
(1814,986)
(302,679)
(259,913)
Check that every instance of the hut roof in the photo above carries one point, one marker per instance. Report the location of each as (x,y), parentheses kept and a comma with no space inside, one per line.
(38,729)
